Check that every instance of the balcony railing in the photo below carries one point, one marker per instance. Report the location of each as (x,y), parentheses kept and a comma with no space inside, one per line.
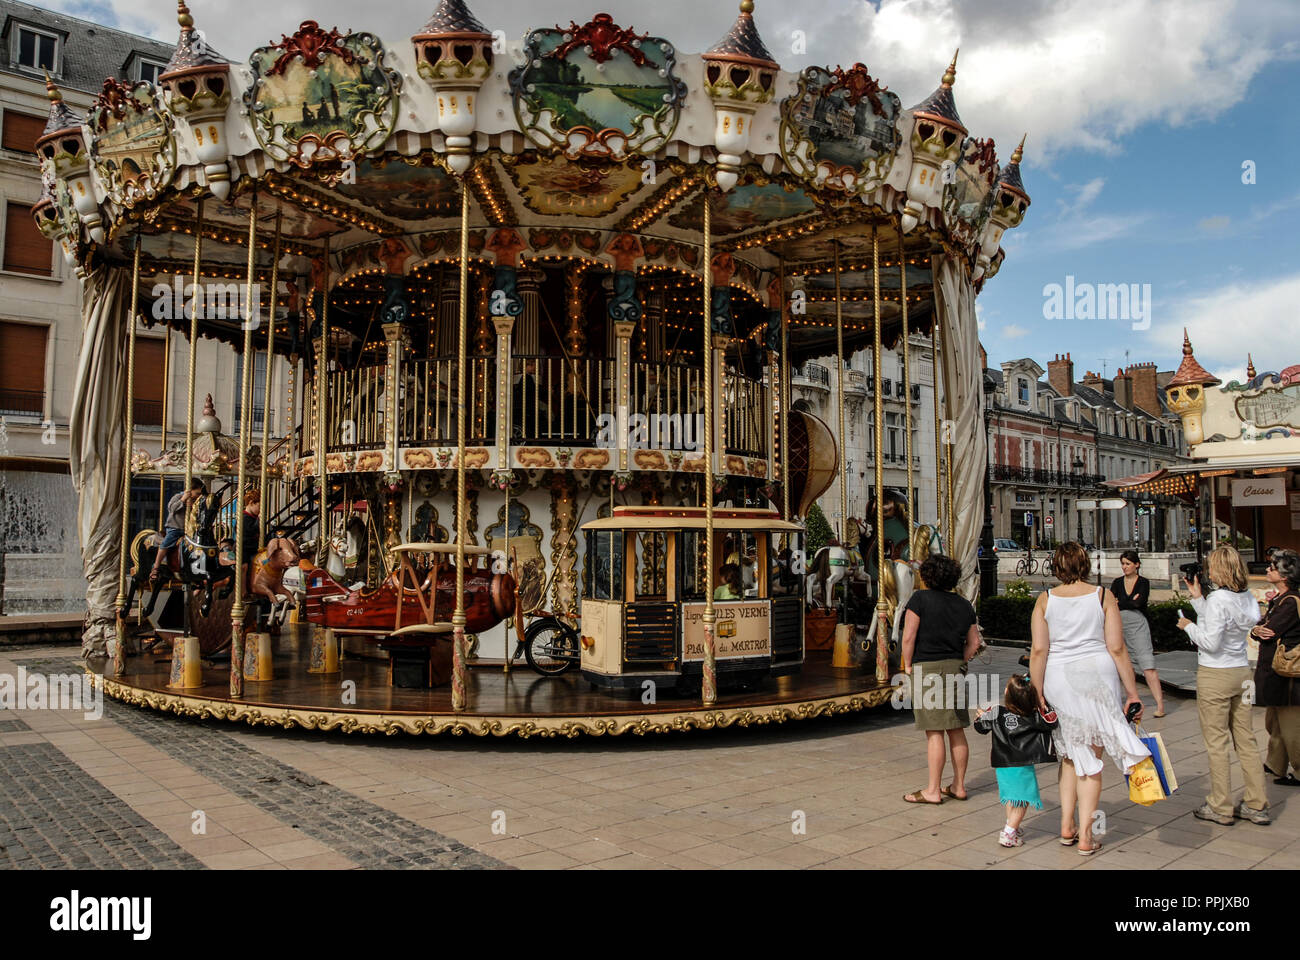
(559,400)
(427,402)
(747,416)
(356,408)
(21,403)
(814,373)
(1052,478)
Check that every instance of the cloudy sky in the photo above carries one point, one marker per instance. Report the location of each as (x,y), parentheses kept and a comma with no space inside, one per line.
(1144,117)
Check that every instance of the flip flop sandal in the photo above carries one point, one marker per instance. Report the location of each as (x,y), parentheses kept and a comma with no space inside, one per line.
(1069,841)
(1158,715)
(947,792)
(919,797)
(1096,845)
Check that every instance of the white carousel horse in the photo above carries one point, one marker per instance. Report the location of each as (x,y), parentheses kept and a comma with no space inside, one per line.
(899,579)
(831,564)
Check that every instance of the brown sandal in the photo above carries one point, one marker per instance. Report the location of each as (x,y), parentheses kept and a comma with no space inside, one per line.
(919,797)
(948,792)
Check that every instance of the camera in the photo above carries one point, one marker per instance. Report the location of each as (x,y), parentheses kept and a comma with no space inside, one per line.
(1194,571)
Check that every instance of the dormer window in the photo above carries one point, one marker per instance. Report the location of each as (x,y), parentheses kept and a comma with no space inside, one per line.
(36,49)
(149,70)
(1022,386)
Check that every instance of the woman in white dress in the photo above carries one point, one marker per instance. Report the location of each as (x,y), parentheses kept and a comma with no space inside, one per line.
(1080,665)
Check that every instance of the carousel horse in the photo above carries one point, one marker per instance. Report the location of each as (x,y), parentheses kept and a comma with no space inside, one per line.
(899,581)
(194,562)
(269,568)
(834,563)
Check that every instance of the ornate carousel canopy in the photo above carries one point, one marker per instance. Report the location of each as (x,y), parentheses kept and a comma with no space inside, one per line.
(595,153)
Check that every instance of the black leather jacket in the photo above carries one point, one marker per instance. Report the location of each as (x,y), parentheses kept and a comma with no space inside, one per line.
(1018,741)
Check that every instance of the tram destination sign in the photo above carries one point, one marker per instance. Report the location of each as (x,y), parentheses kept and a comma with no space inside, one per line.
(743,629)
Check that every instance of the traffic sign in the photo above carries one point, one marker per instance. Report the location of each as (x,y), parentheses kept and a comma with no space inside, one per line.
(1048,521)
(1029,519)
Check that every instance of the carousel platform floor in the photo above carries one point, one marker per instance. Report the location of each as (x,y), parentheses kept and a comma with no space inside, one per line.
(521,703)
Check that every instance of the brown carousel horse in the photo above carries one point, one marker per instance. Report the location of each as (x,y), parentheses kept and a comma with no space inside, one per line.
(194,562)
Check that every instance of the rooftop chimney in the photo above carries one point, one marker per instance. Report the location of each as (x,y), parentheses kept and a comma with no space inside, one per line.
(1094,380)
(1146,395)
(1060,374)
(1123,390)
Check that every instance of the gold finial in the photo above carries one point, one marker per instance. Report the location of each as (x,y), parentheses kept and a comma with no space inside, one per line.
(1187,344)
(951,76)
(1250,367)
(183,15)
(1019,153)
(747,7)
(51,90)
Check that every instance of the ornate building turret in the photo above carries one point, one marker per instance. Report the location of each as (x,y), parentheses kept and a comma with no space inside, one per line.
(1185,393)
(196,89)
(1010,202)
(937,135)
(740,75)
(63,152)
(454,52)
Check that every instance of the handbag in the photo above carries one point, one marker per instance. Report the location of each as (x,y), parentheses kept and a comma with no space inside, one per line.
(1160,760)
(1286,663)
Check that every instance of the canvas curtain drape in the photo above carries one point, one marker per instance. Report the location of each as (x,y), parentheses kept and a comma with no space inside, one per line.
(97,431)
(964,407)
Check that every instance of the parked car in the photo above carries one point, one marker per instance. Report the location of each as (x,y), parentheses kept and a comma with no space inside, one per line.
(1000,545)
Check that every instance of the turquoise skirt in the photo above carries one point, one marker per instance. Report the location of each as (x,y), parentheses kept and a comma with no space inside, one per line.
(1018,786)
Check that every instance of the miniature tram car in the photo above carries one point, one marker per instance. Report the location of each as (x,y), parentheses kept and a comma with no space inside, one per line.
(644,599)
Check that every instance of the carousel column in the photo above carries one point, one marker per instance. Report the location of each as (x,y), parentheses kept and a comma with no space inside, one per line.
(504,306)
(709,681)
(321,281)
(119,654)
(396,340)
(458,619)
(195,301)
(625,310)
(263,511)
(251,320)
(841,404)
(776,386)
(882,612)
(721,270)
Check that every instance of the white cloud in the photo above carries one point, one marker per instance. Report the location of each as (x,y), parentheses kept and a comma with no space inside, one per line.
(1084,196)
(1014,331)
(1215,224)
(1227,322)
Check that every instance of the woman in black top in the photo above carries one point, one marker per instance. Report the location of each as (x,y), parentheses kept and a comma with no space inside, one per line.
(939,637)
(1279,694)
(1132,591)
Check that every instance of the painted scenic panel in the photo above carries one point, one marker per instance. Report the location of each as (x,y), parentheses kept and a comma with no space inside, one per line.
(133,148)
(744,208)
(403,191)
(968,199)
(557,186)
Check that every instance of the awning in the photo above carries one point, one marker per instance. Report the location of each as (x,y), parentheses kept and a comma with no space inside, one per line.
(1181,480)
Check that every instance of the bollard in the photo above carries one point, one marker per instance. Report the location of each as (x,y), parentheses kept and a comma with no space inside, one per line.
(187,664)
(324,651)
(257,657)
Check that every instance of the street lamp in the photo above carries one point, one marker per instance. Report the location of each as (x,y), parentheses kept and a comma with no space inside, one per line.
(1076,476)
(988,559)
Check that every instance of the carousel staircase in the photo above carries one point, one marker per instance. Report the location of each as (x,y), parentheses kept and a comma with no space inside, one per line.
(297,519)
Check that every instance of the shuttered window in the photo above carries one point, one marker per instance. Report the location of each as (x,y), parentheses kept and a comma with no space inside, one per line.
(22,369)
(21,131)
(148,382)
(26,250)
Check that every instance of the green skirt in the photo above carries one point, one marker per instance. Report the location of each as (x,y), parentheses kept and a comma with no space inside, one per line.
(939,695)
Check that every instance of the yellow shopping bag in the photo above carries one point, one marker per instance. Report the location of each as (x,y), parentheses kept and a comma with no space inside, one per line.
(1144,784)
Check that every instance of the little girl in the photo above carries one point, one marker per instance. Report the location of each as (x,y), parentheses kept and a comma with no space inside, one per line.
(1021,738)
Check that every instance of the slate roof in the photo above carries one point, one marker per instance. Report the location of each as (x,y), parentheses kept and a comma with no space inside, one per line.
(452,16)
(88,52)
(742,43)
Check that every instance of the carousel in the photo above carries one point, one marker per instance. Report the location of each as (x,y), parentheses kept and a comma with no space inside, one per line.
(539,471)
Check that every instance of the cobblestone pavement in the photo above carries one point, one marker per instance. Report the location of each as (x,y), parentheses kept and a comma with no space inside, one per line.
(824,794)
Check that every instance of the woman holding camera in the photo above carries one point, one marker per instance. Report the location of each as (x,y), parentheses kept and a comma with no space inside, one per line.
(1223,622)
(1278,694)
(1132,591)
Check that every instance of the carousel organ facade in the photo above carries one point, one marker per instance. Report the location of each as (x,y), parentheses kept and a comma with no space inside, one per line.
(518,298)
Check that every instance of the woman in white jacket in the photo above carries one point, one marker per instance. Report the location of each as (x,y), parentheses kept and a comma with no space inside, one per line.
(1224,621)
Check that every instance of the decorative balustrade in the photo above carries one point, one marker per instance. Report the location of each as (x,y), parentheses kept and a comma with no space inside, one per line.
(356,409)
(747,416)
(559,400)
(427,402)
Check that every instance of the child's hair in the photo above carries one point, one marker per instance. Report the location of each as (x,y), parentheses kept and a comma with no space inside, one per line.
(226,541)
(1020,697)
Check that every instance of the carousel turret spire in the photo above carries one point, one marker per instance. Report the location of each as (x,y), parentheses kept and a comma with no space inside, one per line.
(937,136)
(196,89)
(740,75)
(64,155)
(1185,393)
(1250,367)
(1009,205)
(454,53)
